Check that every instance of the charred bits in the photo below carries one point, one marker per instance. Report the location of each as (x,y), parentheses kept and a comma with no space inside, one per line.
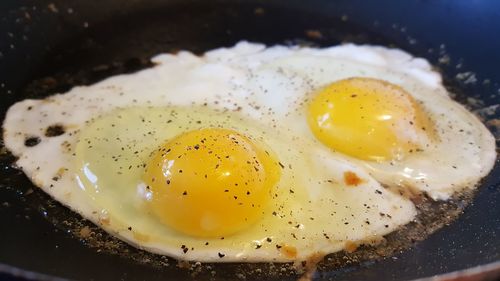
(32,141)
(55,130)
(352,179)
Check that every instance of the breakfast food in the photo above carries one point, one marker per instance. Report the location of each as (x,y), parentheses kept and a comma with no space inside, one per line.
(253,154)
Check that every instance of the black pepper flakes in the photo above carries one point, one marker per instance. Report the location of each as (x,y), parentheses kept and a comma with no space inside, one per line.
(221,255)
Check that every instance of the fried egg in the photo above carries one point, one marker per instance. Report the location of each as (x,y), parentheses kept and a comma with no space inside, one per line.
(252,154)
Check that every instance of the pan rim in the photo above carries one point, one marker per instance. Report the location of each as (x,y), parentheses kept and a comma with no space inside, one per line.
(479,271)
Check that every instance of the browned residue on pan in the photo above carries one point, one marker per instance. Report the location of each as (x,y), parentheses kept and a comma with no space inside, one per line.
(310,265)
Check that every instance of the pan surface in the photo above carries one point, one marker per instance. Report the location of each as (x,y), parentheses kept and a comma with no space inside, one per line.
(47,47)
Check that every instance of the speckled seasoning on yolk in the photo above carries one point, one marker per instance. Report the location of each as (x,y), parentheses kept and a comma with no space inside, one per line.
(369,119)
(210,182)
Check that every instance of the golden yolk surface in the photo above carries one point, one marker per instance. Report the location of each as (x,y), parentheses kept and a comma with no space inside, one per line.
(210,182)
(368,119)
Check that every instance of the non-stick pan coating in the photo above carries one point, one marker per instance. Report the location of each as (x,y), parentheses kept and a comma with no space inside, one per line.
(60,44)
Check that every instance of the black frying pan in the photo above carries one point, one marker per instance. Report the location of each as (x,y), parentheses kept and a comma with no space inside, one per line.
(48,46)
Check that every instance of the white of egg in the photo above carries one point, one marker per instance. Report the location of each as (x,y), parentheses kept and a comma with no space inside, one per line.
(268,90)
(465,151)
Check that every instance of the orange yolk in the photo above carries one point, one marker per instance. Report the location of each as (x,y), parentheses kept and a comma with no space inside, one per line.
(210,182)
(368,119)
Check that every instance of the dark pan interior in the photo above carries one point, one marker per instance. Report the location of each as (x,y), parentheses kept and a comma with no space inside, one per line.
(49,46)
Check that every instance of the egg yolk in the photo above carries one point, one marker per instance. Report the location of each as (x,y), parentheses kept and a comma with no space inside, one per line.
(368,119)
(210,182)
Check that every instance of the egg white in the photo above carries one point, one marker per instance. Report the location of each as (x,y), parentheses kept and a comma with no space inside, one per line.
(464,152)
(311,210)
(269,89)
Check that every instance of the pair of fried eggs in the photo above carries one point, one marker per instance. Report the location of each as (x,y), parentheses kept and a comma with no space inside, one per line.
(253,154)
